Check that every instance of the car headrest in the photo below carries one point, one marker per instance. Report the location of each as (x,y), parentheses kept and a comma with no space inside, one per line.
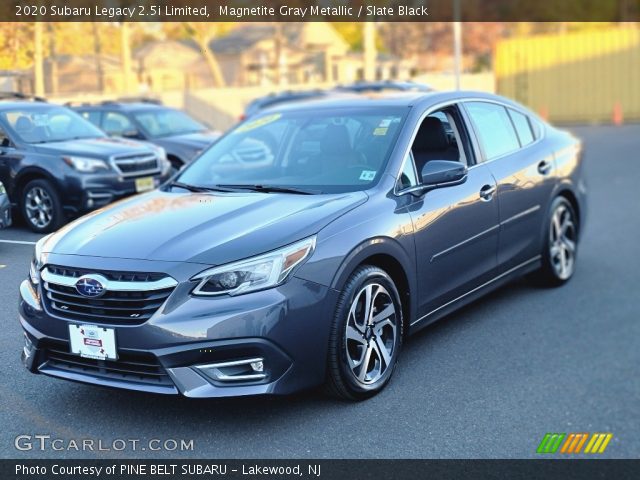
(24,124)
(336,140)
(431,135)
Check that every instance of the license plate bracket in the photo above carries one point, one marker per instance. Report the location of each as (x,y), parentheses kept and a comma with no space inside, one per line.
(92,341)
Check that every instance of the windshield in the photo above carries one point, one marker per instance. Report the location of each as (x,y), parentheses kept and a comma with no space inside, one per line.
(165,122)
(49,123)
(337,150)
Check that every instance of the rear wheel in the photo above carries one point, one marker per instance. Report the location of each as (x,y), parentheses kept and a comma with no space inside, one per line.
(561,245)
(41,206)
(366,335)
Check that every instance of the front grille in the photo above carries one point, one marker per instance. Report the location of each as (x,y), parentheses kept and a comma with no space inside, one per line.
(109,274)
(130,367)
(133,300)
(134,165)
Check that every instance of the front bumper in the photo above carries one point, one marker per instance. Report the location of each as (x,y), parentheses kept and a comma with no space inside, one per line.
(5,212)
(286,327)
(86,192)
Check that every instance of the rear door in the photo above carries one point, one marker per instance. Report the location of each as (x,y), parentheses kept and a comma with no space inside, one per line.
(511,147)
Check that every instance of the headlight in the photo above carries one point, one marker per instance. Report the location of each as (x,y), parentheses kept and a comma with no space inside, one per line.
(86,165)
(257,273)
(36,262)
(159,151)
(2,189)
(165,164)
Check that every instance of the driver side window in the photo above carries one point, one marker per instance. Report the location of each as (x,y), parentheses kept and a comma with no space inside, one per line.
(438,138)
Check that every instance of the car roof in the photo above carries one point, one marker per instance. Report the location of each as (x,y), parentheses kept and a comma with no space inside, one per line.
(24,104)
(395,99)
(124,106)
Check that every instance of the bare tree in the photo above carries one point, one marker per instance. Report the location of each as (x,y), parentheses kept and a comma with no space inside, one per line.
(202,33)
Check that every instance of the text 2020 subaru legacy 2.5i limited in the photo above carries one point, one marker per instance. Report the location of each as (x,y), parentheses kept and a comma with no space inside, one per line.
(363,221)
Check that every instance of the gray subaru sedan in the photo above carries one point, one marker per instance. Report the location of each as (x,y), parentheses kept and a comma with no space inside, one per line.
(305,246)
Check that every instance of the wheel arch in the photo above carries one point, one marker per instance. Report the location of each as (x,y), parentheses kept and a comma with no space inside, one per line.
(573,200)
(386,254)
(26,176)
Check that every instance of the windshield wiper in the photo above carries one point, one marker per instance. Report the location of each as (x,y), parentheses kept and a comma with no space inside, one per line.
(270,189)
(199,189)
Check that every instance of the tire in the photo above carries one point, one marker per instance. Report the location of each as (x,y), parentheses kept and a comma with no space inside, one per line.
(560,245)
(353,338)
(41,206)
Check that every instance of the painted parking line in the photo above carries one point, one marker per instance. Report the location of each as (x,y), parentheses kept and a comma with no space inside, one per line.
(17,242)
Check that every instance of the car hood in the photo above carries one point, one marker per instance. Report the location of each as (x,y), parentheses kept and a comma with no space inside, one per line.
(196,141)
(102,148)
(211,229)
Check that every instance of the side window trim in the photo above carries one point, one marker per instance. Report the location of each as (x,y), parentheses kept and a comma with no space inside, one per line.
(537,128)
(458,104)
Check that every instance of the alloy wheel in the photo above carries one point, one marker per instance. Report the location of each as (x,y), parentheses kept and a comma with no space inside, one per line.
(39,207)
(370,334)
(562,242)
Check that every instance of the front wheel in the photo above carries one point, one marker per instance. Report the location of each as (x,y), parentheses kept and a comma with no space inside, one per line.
(366,335)
(41,206)
(561,245)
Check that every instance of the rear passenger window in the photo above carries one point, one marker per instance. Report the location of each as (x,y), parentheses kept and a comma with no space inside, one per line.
(521,122)
(494,129)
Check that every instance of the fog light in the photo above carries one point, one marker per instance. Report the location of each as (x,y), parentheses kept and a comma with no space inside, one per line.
(235,371)
(90,203)
(257,366)
(28,347)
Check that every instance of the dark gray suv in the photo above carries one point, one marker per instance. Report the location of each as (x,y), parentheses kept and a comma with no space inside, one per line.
(56,165)
(362,221)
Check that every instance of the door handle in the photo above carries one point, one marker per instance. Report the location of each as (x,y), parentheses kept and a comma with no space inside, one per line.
(487,192)
(544,167)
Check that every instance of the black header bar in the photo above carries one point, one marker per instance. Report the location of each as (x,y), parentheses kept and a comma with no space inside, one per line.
(320,10)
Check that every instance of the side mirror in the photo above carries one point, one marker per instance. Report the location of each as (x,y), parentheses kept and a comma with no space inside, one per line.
(443,173)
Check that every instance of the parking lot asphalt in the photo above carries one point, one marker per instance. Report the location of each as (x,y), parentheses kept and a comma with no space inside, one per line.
(486,382)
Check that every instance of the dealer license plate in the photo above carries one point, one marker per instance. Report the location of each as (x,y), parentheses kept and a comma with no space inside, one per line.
(91,341)
(144,184)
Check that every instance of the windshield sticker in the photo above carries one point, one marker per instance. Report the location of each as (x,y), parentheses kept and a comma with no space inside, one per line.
(380,131)
(260,122)
(368,175)
(385,122)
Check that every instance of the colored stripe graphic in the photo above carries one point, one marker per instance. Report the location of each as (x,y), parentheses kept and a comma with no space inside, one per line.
(598,443)
(550,442)
(574,443)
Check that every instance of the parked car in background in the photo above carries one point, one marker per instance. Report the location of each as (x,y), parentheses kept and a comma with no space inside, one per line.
(182,137)
(55,165)
(361,221)
(5,208)
(384,86)
(279,98)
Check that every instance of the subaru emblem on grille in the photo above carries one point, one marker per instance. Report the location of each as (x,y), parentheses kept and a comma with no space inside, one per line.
(91,285)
